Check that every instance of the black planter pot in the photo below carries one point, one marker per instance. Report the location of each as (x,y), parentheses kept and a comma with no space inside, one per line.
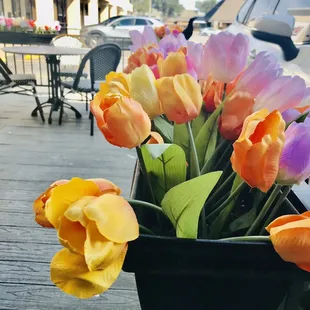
(25,38)
(186,274)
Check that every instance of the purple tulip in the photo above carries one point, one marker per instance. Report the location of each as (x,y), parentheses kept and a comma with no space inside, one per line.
(290,115)
(295,159)
(262,71)
(172,43)
(226,55)
(141,39)
(194,56)
(284,93)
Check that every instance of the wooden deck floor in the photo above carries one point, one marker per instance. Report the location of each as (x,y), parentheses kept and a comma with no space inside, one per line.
(33,155)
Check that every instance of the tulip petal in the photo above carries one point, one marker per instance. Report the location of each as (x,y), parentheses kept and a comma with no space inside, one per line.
(99,251)
(156,138)
(284,220)
(114,217)
(64,195)
(39,209)
(70,273)
(174,64)
(106,186)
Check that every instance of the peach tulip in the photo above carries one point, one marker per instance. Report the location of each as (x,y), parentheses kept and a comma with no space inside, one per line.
(257,151)
(144,91)
(180,97)
(121,120)
(290,236)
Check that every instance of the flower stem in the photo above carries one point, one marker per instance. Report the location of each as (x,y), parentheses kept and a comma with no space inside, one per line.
(247,239)
(264,210)
(202,219)
(234,194)
(140,203)
(144,172)
(224,91)
(144,229)
(193,149)
(218,192)
(275,209)
(291,206)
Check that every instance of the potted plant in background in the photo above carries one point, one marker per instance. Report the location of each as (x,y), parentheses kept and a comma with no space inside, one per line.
(219,144)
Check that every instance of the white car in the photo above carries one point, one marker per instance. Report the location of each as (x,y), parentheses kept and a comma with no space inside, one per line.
(208,31)
(281,27)
(116,29)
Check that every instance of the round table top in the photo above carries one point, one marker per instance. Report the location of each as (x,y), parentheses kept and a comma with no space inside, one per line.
(47,50)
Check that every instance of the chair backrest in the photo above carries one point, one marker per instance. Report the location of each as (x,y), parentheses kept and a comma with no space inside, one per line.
(5,71)
(66,40)
(103,59)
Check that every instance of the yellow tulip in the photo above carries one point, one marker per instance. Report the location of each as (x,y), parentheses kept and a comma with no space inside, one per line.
(173,64)
(116,82)
(180,97)
(143,90)
(71,274)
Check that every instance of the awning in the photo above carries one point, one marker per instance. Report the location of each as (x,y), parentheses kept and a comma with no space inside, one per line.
(227,12)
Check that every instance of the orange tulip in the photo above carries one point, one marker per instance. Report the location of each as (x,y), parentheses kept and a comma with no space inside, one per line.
(122,120)
(116,82)
(156,138)
(236,109)
(302,109)
(212,92)
(39,204)
(257,151)
(161,31)
(180,97)
(143,56)
(290,236)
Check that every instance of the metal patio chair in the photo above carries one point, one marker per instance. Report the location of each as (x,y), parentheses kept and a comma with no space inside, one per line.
(69,65)
(23,84)
(103,59)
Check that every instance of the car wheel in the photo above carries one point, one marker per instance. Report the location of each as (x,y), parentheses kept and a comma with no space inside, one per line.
(95,39)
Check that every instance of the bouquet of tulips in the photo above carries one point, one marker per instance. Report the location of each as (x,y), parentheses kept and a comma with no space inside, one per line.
(220,142)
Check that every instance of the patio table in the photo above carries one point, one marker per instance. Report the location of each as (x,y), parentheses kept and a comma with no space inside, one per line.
(51,54)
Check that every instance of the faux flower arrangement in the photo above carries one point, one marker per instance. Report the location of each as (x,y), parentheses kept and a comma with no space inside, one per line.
(220,143)
(27,25)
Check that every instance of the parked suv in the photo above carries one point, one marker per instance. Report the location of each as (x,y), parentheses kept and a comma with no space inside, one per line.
(281,27)
(116,29)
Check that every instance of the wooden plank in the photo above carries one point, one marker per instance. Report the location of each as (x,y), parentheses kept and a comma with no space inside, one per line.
(36,273)
(38,297)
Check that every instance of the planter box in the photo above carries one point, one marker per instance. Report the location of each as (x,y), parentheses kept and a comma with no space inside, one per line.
(25,38)
(189,274)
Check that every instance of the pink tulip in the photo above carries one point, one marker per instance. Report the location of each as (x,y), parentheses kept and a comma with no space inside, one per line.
(172,43)
(139,40)
(194,57)
(263,71)
(284,93)
(9,23)
(226,55)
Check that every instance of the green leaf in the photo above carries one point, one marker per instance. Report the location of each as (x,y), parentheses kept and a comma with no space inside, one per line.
(164,128)
(181,138)
(166,166)
(244,221)
(198,122)
(183,203)
(211,145)
(218,224)
(206,136)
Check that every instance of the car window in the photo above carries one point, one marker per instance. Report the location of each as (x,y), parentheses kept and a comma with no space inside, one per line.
(124,22)
(141,22)
(149,22)
(262,7)
(244,11)
(288,4)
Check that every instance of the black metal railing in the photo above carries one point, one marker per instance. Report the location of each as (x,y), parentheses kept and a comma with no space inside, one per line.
(35,64)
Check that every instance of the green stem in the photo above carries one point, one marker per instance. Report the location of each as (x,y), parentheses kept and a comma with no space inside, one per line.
(193,149)
(275,209)
(215,196)
(264,210)
(224,91)
(202,219)
(289,205)
(234,194)
(143,229)
(247,239)
(144,172)
(145,204)
(219,150)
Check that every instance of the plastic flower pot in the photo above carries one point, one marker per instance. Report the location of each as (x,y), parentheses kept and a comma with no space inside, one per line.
(174,273)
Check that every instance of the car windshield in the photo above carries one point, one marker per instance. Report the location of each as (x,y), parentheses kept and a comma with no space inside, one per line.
(255,8)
